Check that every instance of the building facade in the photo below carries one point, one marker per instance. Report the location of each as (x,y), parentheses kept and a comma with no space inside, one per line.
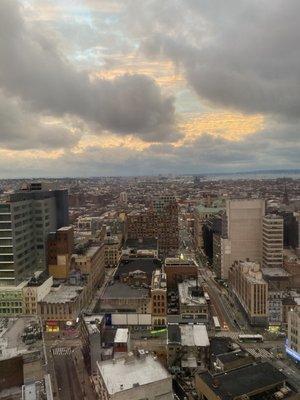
(178,270)
(251,290)
(146,378)
(26,218)
(159,298)
(272,241)
(59,251)
(293,340)
(91,265)
(192,303)
(112,250)
(161,222)
(244,231)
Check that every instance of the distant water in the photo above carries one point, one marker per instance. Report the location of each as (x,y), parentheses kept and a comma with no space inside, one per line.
(260,175)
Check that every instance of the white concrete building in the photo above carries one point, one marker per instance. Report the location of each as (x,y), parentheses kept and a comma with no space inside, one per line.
(133,377)
(192,302)
(244,231)
(272,241)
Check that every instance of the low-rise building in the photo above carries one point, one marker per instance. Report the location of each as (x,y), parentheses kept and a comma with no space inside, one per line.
(22,356)
(255,381)
(251,290)
(22,299)
(130,263)
(61,305)
(178,270)
(12,300)
(59,250)
(133,377)
(36,289)
(125,298)
(92,331)
(187,346)
(158,298)
(192,303)
(90,262)
(121,341)
(112,251)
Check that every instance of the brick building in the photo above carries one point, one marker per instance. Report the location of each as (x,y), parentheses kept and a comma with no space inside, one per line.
(178,270)
(160,221)
(59,251)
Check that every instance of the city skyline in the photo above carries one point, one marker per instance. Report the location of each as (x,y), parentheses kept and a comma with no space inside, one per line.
(123,88)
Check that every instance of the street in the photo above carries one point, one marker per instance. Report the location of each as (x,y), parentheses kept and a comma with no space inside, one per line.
(69,386)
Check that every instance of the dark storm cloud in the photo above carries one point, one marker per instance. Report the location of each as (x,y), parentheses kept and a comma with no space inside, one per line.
(33,68)
(21,130)
(238,54)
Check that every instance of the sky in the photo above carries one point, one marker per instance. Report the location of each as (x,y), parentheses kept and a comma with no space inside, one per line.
(146,87)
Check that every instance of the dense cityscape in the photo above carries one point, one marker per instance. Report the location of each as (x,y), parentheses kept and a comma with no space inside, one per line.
(149,200)
(158,287)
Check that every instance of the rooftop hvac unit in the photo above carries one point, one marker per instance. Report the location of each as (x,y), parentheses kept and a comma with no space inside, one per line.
(285,390)
(279,395)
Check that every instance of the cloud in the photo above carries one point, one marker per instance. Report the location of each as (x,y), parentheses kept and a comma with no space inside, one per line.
(33,68)
(204,154)
(21,130)
(240,55)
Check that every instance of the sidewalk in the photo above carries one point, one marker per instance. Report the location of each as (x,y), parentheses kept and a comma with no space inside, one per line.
(83,376)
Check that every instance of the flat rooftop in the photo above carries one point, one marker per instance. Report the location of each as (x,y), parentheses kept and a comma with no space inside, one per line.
(65,228)
(92,322)
(63,294)
(39,277)
(120,290)
(187,291)
(178,261)
(188,335)
(220,345)
(145,244)
(121,335)
(146,264)
(243,380)
(275,273)
(125,373)
(91,251)
(11,331)
(236,355)
(178,319)
(194,335)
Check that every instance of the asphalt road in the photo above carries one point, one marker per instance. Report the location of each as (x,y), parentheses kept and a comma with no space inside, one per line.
(68,383)
(219,304)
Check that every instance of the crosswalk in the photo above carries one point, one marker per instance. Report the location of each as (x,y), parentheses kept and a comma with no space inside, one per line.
(62,351)
(232,335)
(259,353)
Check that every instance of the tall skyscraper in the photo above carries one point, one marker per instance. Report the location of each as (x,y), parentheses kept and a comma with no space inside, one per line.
(272,241)
(244,232)
(160,222)
(26,218)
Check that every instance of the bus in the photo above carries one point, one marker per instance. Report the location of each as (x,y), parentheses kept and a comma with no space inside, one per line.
(250,338)
(216,322)
(158,331)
